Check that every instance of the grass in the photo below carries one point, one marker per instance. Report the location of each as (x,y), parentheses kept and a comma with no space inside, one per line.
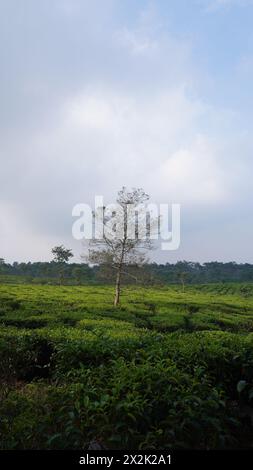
(162,370)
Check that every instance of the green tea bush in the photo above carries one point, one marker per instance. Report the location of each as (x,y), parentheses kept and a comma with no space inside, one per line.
(165,369)
(124,406)
(24,355)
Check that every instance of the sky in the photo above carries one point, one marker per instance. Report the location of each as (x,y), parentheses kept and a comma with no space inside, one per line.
(152,94)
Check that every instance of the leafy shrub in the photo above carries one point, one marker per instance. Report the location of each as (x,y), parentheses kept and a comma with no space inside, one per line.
(146,407)
(157,372)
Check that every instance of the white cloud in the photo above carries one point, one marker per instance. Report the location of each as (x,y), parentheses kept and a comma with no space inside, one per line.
(127,114)
(19,240)
(193,175)
(108,136)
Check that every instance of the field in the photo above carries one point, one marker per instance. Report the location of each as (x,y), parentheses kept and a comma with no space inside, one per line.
(166,369)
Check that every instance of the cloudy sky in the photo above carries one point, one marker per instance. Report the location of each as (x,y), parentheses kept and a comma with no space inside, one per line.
(103,93)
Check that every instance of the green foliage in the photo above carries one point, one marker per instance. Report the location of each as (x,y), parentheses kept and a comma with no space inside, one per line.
(61,254)
(165,369)
(181,273)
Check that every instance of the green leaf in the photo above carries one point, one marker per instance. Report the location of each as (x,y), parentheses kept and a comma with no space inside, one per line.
(53,438)
(241,386)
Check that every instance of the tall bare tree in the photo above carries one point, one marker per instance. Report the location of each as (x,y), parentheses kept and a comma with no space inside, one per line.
(125,235)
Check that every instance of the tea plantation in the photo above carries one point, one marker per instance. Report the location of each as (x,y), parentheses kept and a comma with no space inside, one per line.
(166,369)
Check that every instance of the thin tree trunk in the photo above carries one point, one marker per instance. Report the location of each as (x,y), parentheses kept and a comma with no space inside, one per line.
(61,277)
(120,266)
(117,288)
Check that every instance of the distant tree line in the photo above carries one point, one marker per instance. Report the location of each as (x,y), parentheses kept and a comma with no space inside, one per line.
(183,272)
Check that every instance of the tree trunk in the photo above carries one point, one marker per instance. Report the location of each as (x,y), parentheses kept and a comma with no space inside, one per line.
(117,288)
(120,266)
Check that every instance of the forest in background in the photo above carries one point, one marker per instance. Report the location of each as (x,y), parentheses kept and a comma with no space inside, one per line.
(183,272)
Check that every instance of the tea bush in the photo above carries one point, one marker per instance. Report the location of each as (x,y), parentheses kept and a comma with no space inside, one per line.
(74,369)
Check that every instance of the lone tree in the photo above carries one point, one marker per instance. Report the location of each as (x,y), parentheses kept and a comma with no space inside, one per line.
(182,277)
(61,256)
(125,231)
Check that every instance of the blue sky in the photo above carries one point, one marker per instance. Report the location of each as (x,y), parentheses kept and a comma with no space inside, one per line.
(96,95)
